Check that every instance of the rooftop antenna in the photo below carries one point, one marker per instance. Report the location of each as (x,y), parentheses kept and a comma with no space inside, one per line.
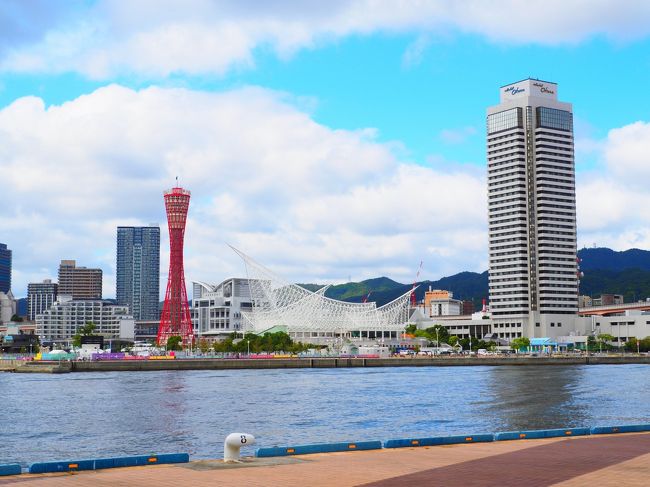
(177,181)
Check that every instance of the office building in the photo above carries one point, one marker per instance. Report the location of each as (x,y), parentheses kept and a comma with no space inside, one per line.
(62,320)
(138,270)
(79,282)
(5,268)
(531,210)
(40,296)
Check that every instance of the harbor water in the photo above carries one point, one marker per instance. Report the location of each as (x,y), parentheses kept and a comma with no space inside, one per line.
(91,415)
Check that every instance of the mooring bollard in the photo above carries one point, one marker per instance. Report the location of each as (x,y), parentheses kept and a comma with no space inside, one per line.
(233,443)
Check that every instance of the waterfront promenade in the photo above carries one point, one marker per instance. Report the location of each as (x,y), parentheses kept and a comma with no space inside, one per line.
(603,460)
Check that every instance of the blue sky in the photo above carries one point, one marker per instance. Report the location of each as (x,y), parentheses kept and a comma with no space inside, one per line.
(369,114)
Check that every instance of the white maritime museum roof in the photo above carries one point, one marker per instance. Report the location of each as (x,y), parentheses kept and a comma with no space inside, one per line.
(277,302)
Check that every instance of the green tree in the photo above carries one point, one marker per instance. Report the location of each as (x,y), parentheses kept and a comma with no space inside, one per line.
(519,343)
(640,344)
(269,342)
(603,340)
(204,346)
(85,330)
(591,343)
(437,333)
(16,319)
(175,343)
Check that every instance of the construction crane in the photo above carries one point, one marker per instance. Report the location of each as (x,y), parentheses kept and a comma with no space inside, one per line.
(413,300)
(365,298)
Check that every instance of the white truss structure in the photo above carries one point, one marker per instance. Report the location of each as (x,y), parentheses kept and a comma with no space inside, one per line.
(277,302)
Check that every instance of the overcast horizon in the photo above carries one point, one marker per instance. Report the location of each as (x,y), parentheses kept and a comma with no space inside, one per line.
(329,141)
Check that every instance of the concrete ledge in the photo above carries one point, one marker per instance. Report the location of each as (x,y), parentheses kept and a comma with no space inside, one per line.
(630,428)
(10,469)
(101,463)
(438,440)
(280,451)
(537,434)
(332,362)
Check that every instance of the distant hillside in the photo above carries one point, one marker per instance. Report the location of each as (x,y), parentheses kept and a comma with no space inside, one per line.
(634,284)
(611,260)
(606,271)
(466,285)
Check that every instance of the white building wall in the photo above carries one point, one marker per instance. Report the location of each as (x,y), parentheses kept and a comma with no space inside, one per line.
(622,328)
(216,309)
(444,307)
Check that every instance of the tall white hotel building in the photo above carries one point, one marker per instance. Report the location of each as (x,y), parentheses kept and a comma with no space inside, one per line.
(532,212)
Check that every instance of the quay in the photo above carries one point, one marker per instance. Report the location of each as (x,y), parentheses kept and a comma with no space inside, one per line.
(603,460)
(301,363)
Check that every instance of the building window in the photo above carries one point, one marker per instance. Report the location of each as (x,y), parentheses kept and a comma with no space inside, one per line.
(506,120)
(554,119)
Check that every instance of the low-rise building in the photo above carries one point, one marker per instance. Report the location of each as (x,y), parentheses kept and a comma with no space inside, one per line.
(608,300)
(585,301)
(631,324)
(438,302)
(146,330)
(66,316)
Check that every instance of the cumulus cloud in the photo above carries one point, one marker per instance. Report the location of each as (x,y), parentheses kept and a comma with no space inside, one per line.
(613,199)
(157,38)
(312,202)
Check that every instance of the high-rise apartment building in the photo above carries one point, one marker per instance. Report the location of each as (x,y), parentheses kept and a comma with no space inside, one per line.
(5,268)
(40,297)
(532,210)
(138,270)
(79,282)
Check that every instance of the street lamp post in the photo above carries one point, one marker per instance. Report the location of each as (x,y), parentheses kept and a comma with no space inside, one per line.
(248,348)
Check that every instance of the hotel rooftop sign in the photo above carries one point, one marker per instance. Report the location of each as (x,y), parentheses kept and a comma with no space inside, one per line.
(529,87)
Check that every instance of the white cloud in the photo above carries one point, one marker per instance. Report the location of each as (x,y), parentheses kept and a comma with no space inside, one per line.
(314,203)
(613,199)
(157,38)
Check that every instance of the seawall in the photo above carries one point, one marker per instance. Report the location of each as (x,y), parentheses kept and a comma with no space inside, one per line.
(315,363)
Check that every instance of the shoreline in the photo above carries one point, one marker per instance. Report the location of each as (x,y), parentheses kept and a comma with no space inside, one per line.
(305,363)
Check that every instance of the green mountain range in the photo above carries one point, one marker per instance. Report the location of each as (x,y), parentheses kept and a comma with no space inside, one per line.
(605,271)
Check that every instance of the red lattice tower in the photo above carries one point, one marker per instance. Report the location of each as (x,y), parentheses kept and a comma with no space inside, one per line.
(175,318)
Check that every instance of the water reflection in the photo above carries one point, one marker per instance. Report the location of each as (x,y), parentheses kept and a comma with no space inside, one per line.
(537,397)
